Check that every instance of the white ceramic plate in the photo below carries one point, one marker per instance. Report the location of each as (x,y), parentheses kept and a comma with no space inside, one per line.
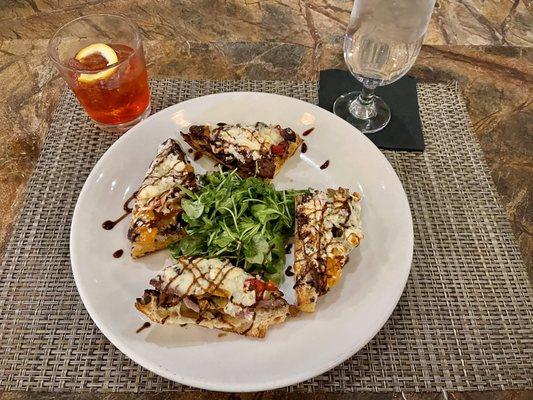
(306,346)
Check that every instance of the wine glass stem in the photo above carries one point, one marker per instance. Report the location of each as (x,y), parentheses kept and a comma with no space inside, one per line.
(363,107)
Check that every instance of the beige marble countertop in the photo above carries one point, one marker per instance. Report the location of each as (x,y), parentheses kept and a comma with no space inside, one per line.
(485,45)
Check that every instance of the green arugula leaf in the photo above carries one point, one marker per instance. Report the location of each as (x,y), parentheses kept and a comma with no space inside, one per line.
(188,246)
(223,241)
(256,251)
(193,209)
(264,213)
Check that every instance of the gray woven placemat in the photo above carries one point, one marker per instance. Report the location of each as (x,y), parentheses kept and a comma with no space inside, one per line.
(464,321)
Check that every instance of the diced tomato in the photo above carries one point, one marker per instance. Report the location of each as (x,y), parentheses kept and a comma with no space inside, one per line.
(258,285)
(271,286)
(279,149)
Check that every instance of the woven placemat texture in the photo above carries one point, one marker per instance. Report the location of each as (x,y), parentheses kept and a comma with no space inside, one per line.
(464,321)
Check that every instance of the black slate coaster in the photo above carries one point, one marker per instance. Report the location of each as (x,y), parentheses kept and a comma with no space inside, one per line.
(404,131)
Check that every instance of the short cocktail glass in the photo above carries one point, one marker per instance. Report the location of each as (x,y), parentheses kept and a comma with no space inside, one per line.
(102,60)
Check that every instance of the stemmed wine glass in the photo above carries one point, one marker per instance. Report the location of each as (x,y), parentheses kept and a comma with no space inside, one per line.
(381,44)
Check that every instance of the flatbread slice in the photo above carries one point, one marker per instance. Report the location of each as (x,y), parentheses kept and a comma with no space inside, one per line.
(254,150)
(328,227)
(214,294)
(156,217)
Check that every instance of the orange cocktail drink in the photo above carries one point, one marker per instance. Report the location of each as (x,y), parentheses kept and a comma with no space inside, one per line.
(101,58)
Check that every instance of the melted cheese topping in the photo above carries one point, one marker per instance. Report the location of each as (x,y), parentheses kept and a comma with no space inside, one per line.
(162,175)
(254,140)
(200,277)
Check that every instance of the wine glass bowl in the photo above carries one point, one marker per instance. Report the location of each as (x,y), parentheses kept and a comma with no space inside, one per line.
(381,44)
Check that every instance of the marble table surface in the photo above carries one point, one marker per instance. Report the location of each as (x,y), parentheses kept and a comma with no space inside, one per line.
(484,45)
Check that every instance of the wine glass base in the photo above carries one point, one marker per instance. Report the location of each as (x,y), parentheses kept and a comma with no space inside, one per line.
(341,108)
(121,128)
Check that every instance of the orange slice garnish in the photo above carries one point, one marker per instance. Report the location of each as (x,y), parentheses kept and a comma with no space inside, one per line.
(103,50)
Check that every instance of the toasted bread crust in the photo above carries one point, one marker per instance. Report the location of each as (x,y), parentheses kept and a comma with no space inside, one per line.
(307,297)
(291,150)
(257,328)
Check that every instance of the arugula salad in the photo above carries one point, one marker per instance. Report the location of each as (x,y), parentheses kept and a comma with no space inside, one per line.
(244,220)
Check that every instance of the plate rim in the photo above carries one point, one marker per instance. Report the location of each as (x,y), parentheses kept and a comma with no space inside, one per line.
(204,384)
